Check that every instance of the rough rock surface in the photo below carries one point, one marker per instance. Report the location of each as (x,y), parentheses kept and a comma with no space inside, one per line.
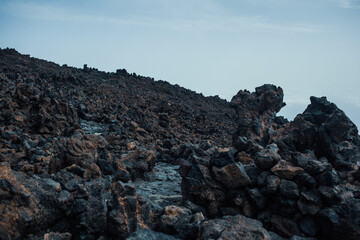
(232,228)
(303,174)
(86,154)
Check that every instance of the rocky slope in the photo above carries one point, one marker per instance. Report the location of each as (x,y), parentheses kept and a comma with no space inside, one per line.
(86,154)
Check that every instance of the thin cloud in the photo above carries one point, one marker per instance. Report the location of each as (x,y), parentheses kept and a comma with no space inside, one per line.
(349,4)
(196,22)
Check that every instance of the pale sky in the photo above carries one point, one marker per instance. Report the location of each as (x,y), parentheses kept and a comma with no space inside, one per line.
(216,47)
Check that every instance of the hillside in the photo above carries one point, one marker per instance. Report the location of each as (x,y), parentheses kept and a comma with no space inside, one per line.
(87,154)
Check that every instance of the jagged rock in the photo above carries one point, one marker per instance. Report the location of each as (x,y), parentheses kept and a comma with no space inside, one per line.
(261,180)
(328,178)
(342,221)
(222,158)
(304,179)
(285,226)
(286,170)
(272,185)
(257,198)
(266,159)
(71,138)
(309,202)
(331,195)
(247,145)
(255,111)
(28,204)
(179,221)
(232,175)
(199,187)
(233,227)
(289,189)
(309,226)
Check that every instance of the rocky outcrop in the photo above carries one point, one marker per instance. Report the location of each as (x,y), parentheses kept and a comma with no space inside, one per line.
(326,130)
(86,154)
(293,189)
(256,112)
(71,139)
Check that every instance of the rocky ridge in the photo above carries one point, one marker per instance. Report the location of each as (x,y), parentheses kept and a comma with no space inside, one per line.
(92,155)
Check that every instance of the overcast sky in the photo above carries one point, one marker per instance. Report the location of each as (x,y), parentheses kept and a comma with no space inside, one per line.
(216,47)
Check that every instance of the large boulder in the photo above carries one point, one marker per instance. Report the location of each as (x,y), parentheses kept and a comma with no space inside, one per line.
(256,111)
(233,228)
(27,204)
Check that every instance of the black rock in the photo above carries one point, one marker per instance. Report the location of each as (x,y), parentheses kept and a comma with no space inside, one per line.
(341,221)
(257,198)
(308,226)
(222,158)
(289,189)
(272,185)
(266,159)
(310,202)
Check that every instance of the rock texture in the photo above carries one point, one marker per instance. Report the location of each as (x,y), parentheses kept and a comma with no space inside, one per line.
(302,176)
(86,154)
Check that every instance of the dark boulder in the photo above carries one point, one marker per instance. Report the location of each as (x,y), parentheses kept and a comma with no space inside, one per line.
(342,221)
(233,228)
(232,175)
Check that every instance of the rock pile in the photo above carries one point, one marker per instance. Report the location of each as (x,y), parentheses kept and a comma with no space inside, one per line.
(73,142)
(86,154)
(295,185)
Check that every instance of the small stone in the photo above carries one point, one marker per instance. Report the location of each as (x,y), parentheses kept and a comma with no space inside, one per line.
(316,167)
(266,159)
(232,175)
(310,202)
(328,178)
(64,196)
(261,180)
(331,195)
(289,189)
(54,184)
(272,185)
(232,228)
(286,170)
(257,198)
(253,172)
(308,226)
(304,179)
(284,226)
(198,217)
(222,158)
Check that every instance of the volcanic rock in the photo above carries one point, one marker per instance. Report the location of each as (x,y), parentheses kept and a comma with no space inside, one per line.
(86,154)
(233,227)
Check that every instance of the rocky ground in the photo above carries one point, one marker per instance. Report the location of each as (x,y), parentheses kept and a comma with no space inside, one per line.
(86,154)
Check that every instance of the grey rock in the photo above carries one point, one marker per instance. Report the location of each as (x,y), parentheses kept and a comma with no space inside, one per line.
(57,236)
(266,159)
(272,185)
(233,228)
(148,234)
